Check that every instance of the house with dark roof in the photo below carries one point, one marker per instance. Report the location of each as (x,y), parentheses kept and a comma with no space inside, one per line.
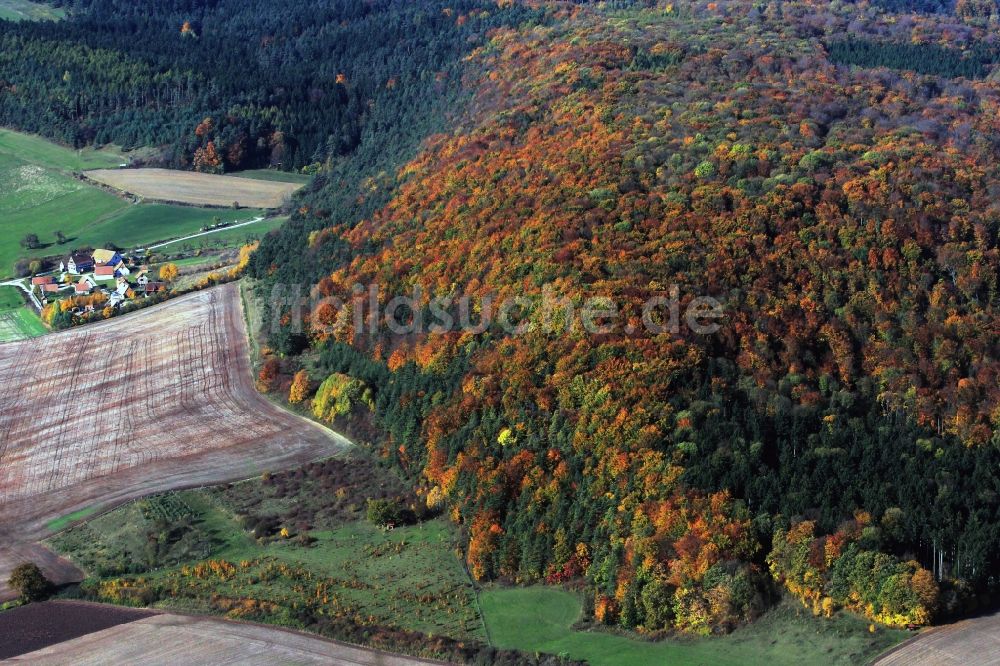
(78,264)
(151,288)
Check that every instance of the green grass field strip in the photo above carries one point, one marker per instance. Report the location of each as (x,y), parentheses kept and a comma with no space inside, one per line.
(272,175)
(64,522)
(540,619)
(236,226)
(31,324)
(186,262)
(10,298)
(20,325)
(37,150)
(147,224)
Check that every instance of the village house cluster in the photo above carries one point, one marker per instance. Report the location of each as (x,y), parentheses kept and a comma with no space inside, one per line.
(106,272)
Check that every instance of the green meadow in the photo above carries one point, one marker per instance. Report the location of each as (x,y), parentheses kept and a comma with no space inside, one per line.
(407,578)
(65,521)
(228,238)
(541,619)
(36,150)
(39,195)
(146,223)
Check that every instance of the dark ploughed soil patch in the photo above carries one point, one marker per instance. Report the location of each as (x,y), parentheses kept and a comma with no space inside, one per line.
(37,626)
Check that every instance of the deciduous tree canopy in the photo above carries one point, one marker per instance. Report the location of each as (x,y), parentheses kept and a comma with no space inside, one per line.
(844,216)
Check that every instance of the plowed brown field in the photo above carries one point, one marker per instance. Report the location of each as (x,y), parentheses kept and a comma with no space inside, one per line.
(200,189)
(159,399)
(176,639)
(974,642)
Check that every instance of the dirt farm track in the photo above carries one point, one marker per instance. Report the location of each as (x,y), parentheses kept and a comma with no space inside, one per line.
(159,399)
(198,189)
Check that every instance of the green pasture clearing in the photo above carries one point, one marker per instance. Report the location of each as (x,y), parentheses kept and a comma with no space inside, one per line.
(272,175)
(184,263)
(23,10)
(541,618)
(226,238)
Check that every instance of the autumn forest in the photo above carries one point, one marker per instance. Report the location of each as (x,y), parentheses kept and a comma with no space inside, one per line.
(837,435)
(827,171)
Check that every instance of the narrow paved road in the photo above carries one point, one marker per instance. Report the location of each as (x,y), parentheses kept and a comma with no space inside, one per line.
(203,233)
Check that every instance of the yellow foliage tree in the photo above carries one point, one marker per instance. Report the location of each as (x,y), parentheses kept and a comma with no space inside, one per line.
(300,387)
(338,395)
(168,272)
(245,253)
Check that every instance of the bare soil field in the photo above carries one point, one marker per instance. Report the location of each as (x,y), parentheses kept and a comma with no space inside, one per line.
(178,639)
(156,400)
(38,626)
(974,642)
(199,189)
